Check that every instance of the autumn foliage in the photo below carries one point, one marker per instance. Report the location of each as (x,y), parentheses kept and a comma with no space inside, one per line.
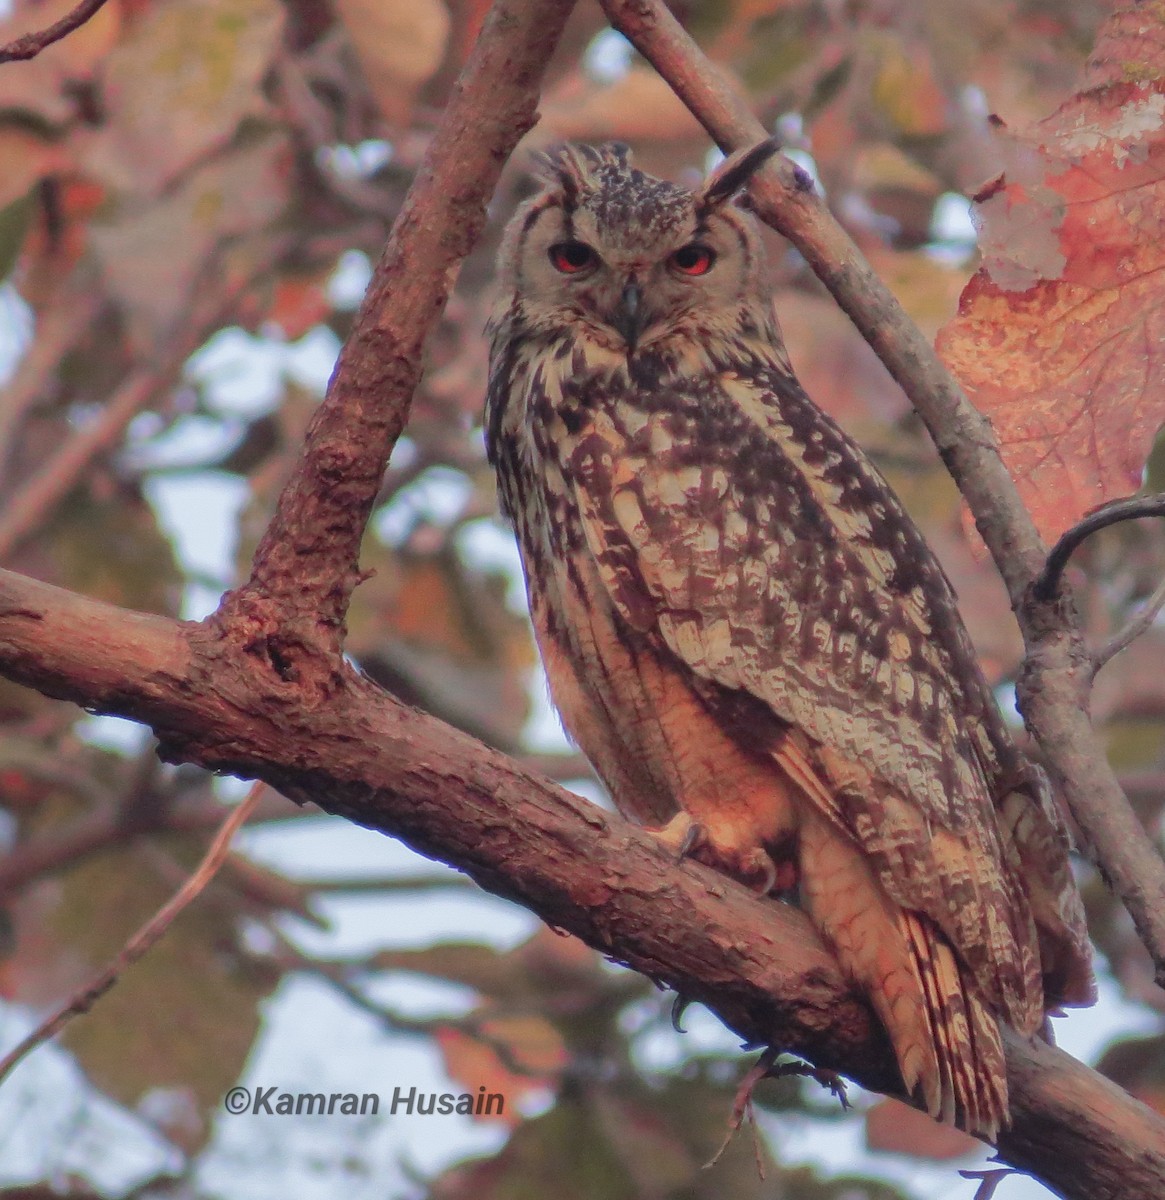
(191,195)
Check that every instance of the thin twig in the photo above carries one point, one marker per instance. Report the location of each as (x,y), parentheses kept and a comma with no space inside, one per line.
(25,511)
(141,941)
(31,44)
(389,884)
(1048,581)
(1137,625)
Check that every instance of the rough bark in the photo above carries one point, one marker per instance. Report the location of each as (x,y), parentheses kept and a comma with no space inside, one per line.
(360,754)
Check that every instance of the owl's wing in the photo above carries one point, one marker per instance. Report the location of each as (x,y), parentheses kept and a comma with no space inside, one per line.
(741,527)
(739,531)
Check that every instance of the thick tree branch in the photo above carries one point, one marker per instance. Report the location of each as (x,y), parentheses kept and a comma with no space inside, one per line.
(758,964)
(1054,691)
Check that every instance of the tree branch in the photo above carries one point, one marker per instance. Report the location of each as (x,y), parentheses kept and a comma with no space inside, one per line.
(31,44)
(1053,691)
(1047,583)
(756,963)
(305,566)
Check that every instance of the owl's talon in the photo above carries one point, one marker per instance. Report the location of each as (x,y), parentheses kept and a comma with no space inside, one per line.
(693,839)
(768,877)
(678,1008)
(681,835)
(830,1080)
(989,1179)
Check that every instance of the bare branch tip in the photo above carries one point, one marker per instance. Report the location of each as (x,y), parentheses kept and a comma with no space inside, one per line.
(31,44)
(1047,584)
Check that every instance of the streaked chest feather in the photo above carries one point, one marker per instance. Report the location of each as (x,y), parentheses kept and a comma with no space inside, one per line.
(726,482)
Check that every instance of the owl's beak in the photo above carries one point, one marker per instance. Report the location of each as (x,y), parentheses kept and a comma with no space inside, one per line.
(629,316)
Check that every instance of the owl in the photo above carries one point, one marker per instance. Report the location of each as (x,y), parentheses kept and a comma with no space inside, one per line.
(747,635)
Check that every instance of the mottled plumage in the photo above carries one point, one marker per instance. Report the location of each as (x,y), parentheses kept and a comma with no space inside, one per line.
(748,636)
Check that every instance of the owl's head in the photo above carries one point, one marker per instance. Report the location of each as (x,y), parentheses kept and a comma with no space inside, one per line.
(609,249)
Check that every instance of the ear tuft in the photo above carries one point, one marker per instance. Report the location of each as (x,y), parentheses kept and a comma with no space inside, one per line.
(574,168)
(734,173)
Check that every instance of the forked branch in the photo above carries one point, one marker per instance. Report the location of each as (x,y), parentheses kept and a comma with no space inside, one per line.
(756,963)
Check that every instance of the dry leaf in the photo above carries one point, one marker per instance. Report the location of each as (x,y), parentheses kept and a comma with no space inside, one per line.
(399,45)
(531,1054)
(1058,338)
(178,86)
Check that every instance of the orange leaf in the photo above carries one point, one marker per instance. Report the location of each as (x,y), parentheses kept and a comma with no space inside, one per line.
(299,304)
(533,1051)
(1058,338)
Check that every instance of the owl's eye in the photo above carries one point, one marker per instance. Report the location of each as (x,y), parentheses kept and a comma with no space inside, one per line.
(572,257)
(693,259)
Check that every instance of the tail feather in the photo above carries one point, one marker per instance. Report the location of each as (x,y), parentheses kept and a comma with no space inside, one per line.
(969,1088)
(947,1042)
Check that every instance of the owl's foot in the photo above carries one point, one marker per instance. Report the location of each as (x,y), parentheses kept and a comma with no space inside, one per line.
(681,835)
(830,1080)
(688,838)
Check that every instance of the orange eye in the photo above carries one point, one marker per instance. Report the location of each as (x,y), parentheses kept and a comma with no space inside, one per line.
(572,257)
(693,260)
